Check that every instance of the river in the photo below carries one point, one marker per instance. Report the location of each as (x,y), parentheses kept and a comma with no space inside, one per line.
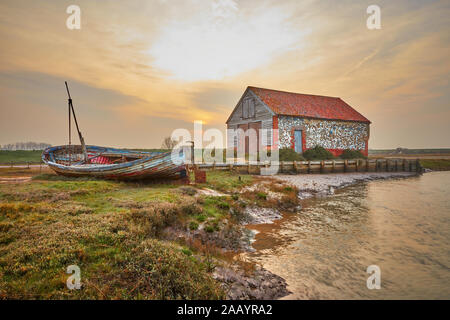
(400,225)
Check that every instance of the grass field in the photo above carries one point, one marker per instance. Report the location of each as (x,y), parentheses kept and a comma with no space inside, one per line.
(436,164)
(121,235)
(409,151)
(20,156)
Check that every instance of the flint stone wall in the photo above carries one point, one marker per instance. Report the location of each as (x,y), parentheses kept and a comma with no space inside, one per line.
(329,134)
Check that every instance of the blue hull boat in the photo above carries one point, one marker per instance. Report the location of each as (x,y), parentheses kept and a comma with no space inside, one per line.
(111,163)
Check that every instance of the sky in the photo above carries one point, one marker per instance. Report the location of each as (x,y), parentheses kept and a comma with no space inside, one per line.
(138,69)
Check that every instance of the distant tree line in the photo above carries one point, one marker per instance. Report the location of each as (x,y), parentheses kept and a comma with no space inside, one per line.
(25,146)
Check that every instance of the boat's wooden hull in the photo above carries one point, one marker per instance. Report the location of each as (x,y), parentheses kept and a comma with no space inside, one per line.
(132,165)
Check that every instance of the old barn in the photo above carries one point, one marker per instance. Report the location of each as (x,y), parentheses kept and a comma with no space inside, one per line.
(303,122)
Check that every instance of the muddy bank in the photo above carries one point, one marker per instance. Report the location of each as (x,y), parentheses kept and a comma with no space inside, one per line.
(14,179)
(325,184)
(261,284)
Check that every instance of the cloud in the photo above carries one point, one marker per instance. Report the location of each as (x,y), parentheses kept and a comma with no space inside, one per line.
(220,41)
(140,68)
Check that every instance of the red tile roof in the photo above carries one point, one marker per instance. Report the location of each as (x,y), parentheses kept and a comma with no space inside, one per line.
(307,105)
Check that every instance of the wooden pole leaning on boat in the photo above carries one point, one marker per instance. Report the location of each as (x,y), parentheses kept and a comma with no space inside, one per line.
(83,145)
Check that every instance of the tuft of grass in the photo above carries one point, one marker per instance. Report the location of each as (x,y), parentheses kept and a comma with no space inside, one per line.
(436,164)
(151,220)
(201,218)
(193,225)
(186,251)
(261,196)
(226,181)
(187,190)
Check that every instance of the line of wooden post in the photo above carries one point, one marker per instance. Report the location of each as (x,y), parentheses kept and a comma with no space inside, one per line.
(322,166)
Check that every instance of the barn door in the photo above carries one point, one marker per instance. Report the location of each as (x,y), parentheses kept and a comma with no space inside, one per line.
(298,141)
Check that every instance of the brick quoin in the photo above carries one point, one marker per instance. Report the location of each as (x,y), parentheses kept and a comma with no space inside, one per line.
(275,132)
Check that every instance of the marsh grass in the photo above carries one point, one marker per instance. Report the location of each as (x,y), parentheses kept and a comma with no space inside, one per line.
(117,233)
(436,164)
(225,181)
(112,230)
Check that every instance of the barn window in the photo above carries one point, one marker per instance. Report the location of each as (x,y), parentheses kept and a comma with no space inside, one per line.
(251,108)
(248,109)
(245,109)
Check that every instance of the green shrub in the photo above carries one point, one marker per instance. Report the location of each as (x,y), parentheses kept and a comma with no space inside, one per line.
(188,190)
(201,217)
(193,225)
(191,208)
(186,252)
(223,205)
(209,229)
(318,153)
(153,219)
(288,154)
(261,195)
(352,154)
(168,273)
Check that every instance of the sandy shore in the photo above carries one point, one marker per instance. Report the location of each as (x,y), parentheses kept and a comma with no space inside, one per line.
(323,184)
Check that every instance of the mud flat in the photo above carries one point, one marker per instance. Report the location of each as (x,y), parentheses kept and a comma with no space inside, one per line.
(14,179)
(325,184)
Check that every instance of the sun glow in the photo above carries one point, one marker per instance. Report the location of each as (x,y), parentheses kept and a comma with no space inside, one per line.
(221,41)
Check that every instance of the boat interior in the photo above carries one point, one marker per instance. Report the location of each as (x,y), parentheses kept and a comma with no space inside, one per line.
(73,155)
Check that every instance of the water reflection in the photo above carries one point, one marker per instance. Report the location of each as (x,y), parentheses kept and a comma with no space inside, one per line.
(400,225)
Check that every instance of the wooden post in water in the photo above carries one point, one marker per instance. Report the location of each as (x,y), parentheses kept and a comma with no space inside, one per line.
(387,165)
(367,165)
(345,165)
(418,166)
(396,165)
(333,166)
(404,165)
(322,165)
(295,166)
(309,166)
(356,165)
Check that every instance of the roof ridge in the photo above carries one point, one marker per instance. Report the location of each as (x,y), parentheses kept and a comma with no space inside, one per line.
(305,94)
(307,105)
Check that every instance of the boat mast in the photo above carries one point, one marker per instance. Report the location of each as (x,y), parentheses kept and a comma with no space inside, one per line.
(83,145)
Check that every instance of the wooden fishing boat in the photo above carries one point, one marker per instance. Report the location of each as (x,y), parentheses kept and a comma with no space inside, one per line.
(111,163)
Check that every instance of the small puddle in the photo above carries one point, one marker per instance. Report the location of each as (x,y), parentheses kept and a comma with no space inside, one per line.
(14,179)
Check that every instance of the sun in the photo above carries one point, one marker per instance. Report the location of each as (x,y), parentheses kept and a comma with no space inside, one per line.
(221,41)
